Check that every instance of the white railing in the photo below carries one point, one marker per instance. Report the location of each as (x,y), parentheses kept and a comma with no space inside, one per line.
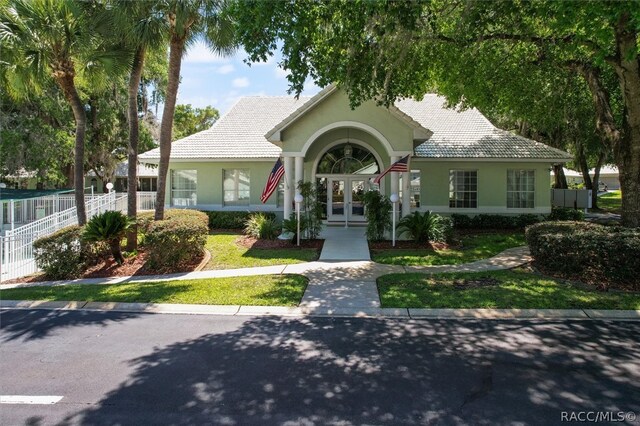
(146,200)
(16,213)
(16,246)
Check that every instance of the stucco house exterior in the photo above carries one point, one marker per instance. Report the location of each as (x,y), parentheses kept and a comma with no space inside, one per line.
(147,178)
(460,162)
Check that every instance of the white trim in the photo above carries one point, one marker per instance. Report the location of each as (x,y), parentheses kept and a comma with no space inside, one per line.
(346,124)
(341,141)
(483,210)
(247,208)
(490,160)
(211,160)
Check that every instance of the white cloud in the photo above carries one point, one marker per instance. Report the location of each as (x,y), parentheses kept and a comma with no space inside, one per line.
(310,88)
(199,53)
(280,73)
(240,82)
(224,69)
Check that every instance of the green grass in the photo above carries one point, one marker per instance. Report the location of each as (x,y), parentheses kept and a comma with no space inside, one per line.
(515,289)
(263,290)
(611,201)
(474,247)
(226,254)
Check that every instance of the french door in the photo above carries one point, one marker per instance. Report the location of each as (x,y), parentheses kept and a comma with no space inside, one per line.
(345,198)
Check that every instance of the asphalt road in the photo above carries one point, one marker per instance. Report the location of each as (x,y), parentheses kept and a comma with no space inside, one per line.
(136,369)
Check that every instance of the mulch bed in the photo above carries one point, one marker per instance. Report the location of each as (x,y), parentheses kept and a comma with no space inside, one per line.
(254,243)
(407,245)
(135,265)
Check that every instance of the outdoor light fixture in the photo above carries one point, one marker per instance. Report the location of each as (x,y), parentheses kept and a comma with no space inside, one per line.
(298,199)
(394,199)
(109,186)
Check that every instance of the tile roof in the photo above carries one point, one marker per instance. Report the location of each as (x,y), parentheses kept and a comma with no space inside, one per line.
(240,133)
(468,134)
(237,134)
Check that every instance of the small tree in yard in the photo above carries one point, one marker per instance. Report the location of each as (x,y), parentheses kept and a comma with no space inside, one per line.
(377,210)
(423,227)
(109,227)
(311,210)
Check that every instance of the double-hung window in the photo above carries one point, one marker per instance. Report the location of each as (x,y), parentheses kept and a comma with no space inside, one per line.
(463,189)
(521,189)
(183,188)
(236,187)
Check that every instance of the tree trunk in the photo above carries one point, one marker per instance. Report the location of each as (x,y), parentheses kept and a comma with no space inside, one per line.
(66,82)
(132,172)
(627,150)
(116,252)
(166,126)
(560,180)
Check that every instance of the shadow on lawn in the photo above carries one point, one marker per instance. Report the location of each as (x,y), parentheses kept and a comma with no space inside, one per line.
(271,370)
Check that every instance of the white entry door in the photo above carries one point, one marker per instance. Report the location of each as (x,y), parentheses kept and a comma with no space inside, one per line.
(345,199)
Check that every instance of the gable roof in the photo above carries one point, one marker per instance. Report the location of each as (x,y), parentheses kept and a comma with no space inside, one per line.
(249,128)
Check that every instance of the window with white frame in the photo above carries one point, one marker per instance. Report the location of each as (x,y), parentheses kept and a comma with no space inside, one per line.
(183,188)
(463,189)
(236,187)
(521,189)
(280,194)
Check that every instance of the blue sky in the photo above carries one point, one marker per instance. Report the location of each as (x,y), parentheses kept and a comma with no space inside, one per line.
(208,79)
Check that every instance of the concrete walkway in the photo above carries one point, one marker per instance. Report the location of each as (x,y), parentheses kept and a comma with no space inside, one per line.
(342,243)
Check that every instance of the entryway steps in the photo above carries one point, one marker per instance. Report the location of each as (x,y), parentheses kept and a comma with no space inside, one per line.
(342,243)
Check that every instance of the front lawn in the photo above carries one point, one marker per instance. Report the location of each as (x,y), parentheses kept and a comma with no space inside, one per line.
(263,290)
(611,201)
(504,289)
(226,254)
(474,247)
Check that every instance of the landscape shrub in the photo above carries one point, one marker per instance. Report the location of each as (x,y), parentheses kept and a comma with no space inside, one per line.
(231,220)
(423,227)
(592,253)
(61,255)
(291,226)
(378,214)
(494,221)
(565,213)
(260,226)
(181,236)
(109,228)
(311,210)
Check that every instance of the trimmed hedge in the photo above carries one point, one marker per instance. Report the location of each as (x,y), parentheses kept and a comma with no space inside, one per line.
(564,213)
(231,220)
(595,254)
(180,237)
(65,254)
(493,221)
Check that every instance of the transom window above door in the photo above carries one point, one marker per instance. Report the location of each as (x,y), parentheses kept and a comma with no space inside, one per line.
(348,159)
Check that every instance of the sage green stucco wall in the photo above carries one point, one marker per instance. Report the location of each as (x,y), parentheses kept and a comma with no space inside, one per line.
(209,187)
(335,108)
(492,185)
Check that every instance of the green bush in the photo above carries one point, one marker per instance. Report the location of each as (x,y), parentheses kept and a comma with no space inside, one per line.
(231,220)
(311,210)
(61,255)
(494,221)
(259,225)
(423,227)
(605,256)
(181,236)
(564,213)
(378,213)
(291,226)
(109,228)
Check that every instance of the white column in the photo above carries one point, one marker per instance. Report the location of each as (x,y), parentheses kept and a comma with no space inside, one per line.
(288,186)
(406,194)
(299,173)
(394,177)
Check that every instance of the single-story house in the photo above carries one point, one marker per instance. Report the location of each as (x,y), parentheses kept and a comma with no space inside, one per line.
(609,176)
(147,178)
(459,161)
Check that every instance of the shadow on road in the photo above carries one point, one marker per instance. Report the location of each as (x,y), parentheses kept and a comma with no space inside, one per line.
(272,370)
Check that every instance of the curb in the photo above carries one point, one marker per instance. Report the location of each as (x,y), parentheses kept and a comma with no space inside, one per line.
(367,312)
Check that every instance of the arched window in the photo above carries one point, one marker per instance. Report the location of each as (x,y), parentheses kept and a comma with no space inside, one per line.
(347,159)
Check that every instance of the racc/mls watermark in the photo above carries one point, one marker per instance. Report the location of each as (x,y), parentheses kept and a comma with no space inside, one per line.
(599,416)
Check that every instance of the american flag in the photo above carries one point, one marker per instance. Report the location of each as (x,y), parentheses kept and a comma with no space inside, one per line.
(272,182)
(402,165)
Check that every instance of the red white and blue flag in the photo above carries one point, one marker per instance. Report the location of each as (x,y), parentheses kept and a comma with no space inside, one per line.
(272,182)
(402,165)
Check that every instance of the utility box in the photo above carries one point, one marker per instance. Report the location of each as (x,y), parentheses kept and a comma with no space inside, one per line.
(571,198)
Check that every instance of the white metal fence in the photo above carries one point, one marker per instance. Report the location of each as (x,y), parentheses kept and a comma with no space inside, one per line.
(16,246)
(146,200)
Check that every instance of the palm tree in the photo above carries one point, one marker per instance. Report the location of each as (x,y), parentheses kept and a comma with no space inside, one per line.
(54,39)
(189,20)
(144,28)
